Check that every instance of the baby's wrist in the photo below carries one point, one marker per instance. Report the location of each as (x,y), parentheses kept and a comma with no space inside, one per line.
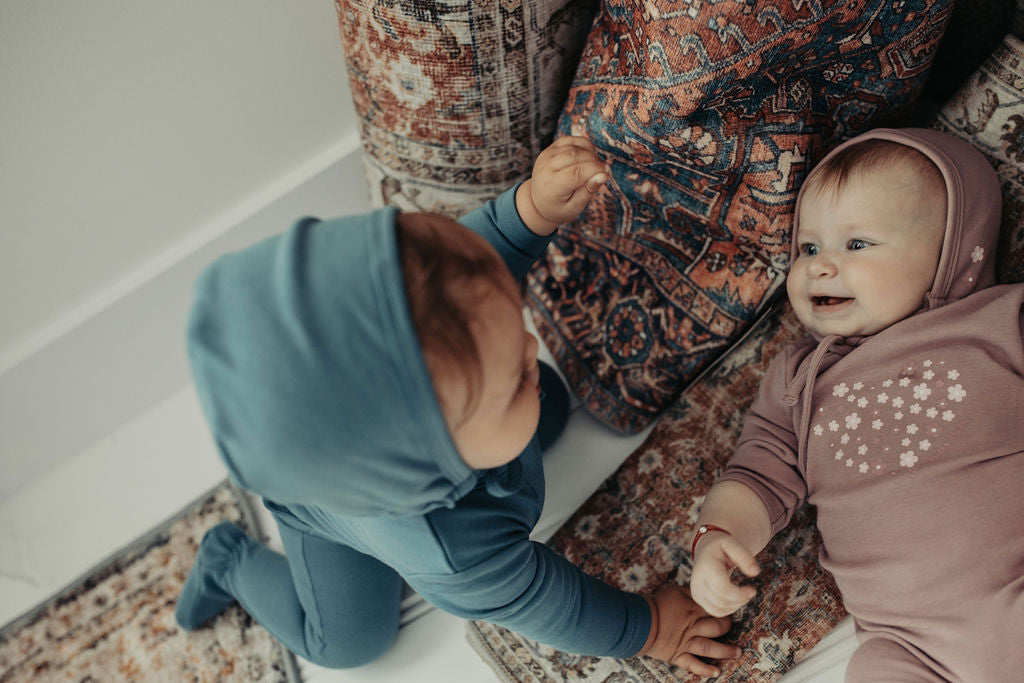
(652,637)
(529,213)
(702,531)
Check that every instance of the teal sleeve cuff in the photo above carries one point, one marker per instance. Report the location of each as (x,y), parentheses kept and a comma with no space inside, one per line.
(499,222)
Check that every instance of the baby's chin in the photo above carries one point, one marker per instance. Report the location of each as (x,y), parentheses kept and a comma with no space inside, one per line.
(819,329)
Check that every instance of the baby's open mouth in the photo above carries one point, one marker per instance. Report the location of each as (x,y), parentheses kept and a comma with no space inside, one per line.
(829,300)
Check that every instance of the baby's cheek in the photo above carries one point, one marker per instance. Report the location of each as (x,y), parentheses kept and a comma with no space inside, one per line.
(794,281)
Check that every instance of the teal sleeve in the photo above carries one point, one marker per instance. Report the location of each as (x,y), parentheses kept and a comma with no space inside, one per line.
(476,560)
(530,589)
(498,222)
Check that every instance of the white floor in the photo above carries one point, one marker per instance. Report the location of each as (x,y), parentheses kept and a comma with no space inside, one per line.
(79,513)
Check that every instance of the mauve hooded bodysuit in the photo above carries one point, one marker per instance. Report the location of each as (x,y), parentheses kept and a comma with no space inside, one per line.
(910,444)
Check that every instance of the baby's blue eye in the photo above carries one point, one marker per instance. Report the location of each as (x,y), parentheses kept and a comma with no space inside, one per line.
(808,249)
(856,245)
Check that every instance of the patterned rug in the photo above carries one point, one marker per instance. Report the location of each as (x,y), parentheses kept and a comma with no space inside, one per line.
(709,114)
(988,112)
(117,622)
(634,533)
(455,99)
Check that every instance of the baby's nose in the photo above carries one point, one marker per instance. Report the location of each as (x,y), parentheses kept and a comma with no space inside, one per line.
(823,266)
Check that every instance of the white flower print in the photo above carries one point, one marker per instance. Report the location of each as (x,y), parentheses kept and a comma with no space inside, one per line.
(953,375)
(908,459)
(857,386)
(898,415)
(634,578)
(887,383)
(411,84)
(877,424)
(849,462)
(924,444)
(833,426)
(915,408)
(862,449)
(948,415)
(927,363)
(922,392)
(852,421)
(839,454)
(882,397)
(840,389)
(897,402)
(863,468)
(977,255)
(844,439)
(956,393)
(851,398)
(650,462)
(818,430)
(928,374)
(912,429)
(862,403)
(905,442)
(905,382)
(932,412)
(587,526)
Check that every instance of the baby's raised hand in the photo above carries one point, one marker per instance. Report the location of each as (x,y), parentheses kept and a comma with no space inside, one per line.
(711,582)
(565,176)
(681,632)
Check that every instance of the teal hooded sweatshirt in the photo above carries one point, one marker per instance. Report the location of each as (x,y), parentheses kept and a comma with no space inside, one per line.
(317,394)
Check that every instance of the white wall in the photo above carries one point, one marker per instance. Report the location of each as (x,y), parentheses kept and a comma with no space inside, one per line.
(137,140)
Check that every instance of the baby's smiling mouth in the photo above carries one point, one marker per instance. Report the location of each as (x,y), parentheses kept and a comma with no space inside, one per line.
(829,300)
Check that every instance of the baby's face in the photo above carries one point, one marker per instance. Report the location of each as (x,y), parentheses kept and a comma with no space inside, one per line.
(504,418)
(867,252)
(497,424)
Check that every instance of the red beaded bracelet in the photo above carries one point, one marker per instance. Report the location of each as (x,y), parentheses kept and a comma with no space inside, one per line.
(703,529)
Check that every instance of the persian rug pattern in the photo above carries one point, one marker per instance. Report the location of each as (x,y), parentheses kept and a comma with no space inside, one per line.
(988,112)
(710,115)
(117,623)
(634,533)
(455,100)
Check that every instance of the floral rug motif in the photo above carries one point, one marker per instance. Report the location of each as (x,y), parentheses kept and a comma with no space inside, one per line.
(988,112)
(456,99)
(117,622)
(634,533)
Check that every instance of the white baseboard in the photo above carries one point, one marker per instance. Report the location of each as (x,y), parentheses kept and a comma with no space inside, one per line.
(113,358)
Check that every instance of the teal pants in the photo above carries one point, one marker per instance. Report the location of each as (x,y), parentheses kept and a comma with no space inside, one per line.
(326,602)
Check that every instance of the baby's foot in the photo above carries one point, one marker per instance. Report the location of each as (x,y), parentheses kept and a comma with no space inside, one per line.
(202,597)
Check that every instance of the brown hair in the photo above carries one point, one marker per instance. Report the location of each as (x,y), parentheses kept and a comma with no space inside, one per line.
(443,275)
(834,173)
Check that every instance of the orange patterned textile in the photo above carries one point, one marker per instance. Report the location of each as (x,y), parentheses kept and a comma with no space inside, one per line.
(456,99)
(710,114)
(117,621)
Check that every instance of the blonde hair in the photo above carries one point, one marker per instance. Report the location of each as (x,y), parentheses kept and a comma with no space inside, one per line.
(835,172)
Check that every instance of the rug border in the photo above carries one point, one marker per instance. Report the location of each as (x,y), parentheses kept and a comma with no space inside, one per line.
(250,523)
(486,653)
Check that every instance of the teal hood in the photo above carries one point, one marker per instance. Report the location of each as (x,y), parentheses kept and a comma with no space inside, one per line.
(311,377)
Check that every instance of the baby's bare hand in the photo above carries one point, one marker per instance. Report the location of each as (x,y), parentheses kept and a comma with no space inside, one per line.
(711,581)
(682,632)
(565,177)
